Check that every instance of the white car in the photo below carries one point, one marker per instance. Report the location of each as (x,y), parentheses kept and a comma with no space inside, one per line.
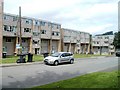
(59,57)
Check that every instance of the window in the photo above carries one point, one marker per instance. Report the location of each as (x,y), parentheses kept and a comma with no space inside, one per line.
(5,17)
(55,33)
(28,21)
(42,23)
(107,37)
(63,55)
(36,22)
(49,24)
(5,27)
(99,37)
(106,42)
(43,31)
(9,28)
(35,42)
(14,18)
(27,30)
(67,54)
(97,42)
(36,33)
(8,40)
(58,26)
(14,28)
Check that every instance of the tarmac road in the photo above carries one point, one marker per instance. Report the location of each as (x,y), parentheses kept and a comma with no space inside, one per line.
(26,76)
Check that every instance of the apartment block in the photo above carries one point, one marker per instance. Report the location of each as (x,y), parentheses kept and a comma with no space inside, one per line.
(103,44)
(46,37)
(41,36)
(1,26)
(38,36)
(11,34)
(76,41)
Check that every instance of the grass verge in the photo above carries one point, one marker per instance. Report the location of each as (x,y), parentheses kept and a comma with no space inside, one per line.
(93,80)
(12,59)
(87,55)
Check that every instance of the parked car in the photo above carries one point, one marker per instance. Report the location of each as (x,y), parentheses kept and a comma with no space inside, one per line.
(117,52)
(59,57)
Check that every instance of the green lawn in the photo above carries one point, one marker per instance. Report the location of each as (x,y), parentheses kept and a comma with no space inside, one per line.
(12,59)
(87,55)
(93,80)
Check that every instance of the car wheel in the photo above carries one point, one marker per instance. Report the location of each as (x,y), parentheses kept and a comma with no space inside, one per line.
(71,61)
(56,63)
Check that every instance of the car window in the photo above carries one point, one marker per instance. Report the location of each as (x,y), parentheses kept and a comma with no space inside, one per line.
(55,55)
(63,55)
(67,54)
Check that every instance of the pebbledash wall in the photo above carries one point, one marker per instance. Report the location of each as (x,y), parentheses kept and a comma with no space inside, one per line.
(40,36)
(103,44)
(76,41)
(37,35)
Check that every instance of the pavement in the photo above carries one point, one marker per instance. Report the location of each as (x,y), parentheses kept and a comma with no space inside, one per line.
(20,64)
(39,62)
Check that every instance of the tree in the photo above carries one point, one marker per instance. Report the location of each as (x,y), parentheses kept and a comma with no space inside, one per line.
(116,41)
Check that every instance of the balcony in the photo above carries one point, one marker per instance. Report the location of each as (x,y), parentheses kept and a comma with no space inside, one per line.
(12,34)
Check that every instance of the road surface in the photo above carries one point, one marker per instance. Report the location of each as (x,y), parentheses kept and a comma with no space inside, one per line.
(40,74)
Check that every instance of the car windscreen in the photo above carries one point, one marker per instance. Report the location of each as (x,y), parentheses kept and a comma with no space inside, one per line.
(55,54)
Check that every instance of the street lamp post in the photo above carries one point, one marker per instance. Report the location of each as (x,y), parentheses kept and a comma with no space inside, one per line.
(100,45)
(70,42)
(22,56)
(51,39)
(39,27)
(20,38)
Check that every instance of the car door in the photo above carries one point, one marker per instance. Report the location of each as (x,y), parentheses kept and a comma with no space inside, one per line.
(67,56)
(63,58)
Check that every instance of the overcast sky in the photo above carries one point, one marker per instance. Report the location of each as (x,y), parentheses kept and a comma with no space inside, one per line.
(93,16)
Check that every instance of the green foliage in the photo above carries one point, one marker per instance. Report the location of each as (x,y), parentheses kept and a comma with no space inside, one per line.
(13,59)
(116,41)
(87,55)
